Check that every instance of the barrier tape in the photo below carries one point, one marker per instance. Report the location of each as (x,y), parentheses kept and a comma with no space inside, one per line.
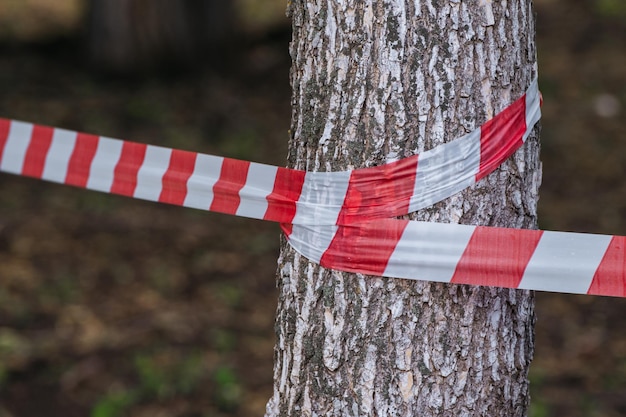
(343,220)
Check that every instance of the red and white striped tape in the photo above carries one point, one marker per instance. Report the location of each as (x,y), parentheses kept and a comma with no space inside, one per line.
(262,191)
(342,220)
(513,258)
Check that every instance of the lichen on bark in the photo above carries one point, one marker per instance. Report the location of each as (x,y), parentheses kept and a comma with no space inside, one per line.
(375,81)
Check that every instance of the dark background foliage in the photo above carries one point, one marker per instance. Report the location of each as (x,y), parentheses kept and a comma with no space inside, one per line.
(117,307)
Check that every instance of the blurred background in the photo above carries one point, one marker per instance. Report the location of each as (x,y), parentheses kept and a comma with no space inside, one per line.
(118,307)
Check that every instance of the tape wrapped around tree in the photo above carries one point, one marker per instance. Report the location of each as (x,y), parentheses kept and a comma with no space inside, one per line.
(343,220)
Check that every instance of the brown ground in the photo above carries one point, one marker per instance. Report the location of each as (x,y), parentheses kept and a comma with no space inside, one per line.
(112,307)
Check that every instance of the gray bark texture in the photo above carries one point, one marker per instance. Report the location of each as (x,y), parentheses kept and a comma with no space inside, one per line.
(373,81)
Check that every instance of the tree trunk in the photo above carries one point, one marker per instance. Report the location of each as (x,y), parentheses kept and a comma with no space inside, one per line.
(125,35)
(375,81)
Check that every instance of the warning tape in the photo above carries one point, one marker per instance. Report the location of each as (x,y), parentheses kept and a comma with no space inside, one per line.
(343,220)
(262,191)
(574,263)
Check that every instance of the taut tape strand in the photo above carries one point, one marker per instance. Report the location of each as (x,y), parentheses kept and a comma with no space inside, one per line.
(344,220)
(574,263)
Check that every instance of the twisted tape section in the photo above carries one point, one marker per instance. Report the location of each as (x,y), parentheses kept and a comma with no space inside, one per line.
(439,173)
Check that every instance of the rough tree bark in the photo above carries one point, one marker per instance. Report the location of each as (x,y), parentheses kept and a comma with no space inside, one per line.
(376,80)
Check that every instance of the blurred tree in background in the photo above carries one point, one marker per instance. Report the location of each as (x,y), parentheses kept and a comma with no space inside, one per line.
(131,35)
(126,35)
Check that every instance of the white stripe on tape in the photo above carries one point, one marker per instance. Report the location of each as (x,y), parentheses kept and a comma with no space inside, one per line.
(58,158)
(254,193)
(564,262)
(205,174)
(533,108)
(322,197)
(312,241)
(16,146)
(155,164)
(429,251)
(102,170)
(446,170)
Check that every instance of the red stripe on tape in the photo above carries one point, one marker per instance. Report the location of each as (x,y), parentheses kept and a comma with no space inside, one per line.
(610,277)
(501,136)
(5,127)
(80,161)
(182,164)
(35,158)
(281,203)
(375,239)
(226,190)
(511,248)
(381,191)
(125,173)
